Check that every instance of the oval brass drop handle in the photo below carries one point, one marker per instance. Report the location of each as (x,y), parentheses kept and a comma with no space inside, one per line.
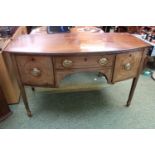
(127,66)
(67,63)
(36,72)
(103,61)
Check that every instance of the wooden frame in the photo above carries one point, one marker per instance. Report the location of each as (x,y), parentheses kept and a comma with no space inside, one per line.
(126,62)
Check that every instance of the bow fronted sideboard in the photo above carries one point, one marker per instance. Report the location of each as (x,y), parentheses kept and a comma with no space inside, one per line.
(45,59)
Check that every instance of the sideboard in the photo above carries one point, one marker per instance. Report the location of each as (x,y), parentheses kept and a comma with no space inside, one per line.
(43,60)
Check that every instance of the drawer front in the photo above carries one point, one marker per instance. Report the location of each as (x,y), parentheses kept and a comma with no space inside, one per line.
(83,61)
(35,70)
(126,65)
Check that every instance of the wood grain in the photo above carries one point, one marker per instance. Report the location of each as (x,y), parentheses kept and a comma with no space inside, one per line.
(91,61)
(75,43)
(43,63)
(120,73)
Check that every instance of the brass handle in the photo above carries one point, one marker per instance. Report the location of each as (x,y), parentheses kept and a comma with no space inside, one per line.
(103,61)
(127,66)
(35,72)
(67,63)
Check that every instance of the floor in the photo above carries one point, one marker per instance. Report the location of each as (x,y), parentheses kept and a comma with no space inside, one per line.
(99,109)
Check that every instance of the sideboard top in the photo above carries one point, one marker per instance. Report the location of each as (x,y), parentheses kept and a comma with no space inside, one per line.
(70,43)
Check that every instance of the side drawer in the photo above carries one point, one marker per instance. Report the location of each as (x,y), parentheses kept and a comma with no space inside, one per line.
(127,65)
(36,70)
(83,61)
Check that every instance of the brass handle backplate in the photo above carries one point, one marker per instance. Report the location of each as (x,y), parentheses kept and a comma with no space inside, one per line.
(67,63)
(35,72)
(127,66)
(103,61)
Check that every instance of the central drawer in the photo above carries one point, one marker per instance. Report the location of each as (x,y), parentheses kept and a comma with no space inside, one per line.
(94,61)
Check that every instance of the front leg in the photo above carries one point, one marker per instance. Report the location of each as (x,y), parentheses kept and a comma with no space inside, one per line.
(23,93)
(132,90)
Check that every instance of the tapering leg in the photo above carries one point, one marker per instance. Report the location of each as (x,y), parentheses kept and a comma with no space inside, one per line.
(133,86)
(23,93)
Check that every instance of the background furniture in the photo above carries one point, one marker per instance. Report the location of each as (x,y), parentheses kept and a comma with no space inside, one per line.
(4,108)
(75,29)
(44,60)
(8,80)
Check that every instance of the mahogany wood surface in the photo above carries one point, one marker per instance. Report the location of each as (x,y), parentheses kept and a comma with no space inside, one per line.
(26,65)
(71,43)
(83,61)
(133,58)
